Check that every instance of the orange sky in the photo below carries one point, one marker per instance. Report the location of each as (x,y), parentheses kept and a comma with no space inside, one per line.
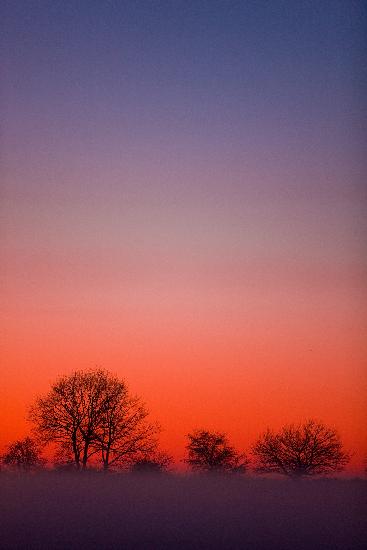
(225,359)
(183,203)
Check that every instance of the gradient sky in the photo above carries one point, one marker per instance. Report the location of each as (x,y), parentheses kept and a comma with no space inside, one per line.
(183,204)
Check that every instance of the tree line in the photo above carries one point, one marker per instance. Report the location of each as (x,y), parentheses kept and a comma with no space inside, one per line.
(90,420)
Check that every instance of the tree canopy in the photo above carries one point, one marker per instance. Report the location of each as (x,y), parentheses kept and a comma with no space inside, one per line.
(211,452)
(23,454)
(306,449)
(91,414)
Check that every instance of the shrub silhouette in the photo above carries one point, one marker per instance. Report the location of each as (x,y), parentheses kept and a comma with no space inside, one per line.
(154,463)
(23,454)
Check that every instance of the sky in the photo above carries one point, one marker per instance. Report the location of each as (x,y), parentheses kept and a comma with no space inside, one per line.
(182,203)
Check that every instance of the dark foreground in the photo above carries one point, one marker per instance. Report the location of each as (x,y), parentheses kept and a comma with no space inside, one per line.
(65,511)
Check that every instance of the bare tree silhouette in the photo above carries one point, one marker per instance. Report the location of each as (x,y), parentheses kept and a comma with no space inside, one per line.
(89,413)
(300,450)
(211,452)
(23,454)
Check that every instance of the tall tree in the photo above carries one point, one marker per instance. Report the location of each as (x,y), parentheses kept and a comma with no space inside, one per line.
(211,452)
(300,450)
(88,413)
(23,454)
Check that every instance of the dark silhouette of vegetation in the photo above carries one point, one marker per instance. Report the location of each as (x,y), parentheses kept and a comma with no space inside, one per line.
(23,455)
(124,433)
(92,421)
(154,463)
(91,414)
(211,452)
(300,450)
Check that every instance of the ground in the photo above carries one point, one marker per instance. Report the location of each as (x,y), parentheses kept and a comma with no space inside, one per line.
(59,511)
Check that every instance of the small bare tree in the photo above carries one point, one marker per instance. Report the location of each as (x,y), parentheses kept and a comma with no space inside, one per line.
(24,455)
(211,452)
(300,450)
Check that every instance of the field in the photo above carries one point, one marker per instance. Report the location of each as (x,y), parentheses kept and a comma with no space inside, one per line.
(65,511)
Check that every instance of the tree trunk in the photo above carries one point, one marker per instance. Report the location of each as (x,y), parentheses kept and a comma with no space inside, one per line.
(85,456)
(106,460)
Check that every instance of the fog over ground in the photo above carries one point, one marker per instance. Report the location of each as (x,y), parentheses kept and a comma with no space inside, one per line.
(54,510)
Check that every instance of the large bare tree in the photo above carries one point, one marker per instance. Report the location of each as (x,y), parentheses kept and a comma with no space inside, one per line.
(306,449)
(89,413)
(211,452)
